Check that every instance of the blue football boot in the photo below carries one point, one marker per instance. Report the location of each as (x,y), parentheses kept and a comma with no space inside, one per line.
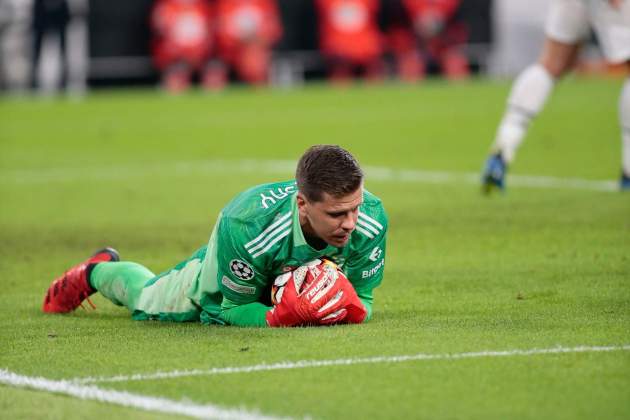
(493,175)
(624,182)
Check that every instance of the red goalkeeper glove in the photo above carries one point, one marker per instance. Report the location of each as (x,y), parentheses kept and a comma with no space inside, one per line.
(310,293)
(352,311)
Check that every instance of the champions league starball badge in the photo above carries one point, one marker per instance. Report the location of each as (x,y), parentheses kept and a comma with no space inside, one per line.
(241,269)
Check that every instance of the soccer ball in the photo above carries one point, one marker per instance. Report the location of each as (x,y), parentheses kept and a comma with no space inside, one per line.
(302,277)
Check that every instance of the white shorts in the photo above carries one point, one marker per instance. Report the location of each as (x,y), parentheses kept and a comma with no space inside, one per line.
(569,21)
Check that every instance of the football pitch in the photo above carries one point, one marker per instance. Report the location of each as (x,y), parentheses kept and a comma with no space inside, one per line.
(511,306)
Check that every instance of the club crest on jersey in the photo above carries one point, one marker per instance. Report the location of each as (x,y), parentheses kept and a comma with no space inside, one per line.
(241,269)
(375,254)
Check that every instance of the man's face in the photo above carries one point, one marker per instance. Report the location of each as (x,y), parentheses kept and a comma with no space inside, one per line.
(333,218)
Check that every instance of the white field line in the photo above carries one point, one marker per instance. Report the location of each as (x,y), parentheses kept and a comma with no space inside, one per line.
(281,167)
(142,402)
(303,364)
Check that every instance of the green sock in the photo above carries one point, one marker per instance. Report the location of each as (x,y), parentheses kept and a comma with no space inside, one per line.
(120,282)
(89,275)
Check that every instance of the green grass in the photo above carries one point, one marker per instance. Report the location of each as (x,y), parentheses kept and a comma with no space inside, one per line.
(535,268)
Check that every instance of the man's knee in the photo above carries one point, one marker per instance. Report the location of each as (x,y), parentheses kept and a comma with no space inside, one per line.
(558,58)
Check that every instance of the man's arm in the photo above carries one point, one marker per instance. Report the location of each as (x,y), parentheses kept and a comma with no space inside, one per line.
(365,268)
(367,299)
(247,315)
(241,282)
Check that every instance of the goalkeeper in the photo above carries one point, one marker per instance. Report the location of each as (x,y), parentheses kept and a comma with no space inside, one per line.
(264,232)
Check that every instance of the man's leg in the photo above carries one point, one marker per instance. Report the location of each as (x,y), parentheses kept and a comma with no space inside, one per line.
(63,57)
(163,297)
(611,21)
(120,282)
(67,292)
(529,95)
(527,98)
(624,120)
(566,26)
(147,296)
(38,40)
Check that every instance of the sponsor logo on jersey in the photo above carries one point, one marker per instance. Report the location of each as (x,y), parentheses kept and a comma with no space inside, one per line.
(241,269)
(375,254)
(369,273)
(278,230)
(272,196)
(237,287)
(368,226)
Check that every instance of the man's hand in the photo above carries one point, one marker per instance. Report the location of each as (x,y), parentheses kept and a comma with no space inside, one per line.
(284,314)
(353,311)
(324,296)
(316,294)
(310,294)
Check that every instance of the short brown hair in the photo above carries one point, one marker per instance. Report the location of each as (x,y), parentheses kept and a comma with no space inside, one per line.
(330,169)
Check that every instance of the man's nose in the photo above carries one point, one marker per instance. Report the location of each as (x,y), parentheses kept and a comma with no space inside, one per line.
(348,222)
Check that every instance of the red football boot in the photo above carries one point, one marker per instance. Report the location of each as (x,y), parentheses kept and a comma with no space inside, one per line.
(66,293)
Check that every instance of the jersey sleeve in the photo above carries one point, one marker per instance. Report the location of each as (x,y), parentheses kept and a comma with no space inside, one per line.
(241,282)
(366,266)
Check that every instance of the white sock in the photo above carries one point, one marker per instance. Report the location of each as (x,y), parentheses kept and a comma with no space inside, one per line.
(527,98)
(624,120)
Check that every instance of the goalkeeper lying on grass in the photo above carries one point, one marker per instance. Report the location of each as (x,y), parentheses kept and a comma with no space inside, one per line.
(262,234)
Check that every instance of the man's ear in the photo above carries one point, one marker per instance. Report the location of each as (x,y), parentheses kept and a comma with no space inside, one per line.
(301,202)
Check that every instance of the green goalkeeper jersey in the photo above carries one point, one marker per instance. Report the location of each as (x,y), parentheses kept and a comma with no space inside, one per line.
(258,236)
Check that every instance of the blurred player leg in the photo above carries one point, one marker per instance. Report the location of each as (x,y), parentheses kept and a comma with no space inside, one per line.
(176,77)
(529,94)
(624,119)
(527,98)
(567,24)
(215,75)
(448,50)
(253,63)
(612,26)
(374,70)
(411,67)
(340,71)
(454,65)
(409,64)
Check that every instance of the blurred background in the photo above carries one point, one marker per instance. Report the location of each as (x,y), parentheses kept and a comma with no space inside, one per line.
(75,45)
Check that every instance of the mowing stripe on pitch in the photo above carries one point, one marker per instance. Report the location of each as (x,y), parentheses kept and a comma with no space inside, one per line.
(126,399)
(302,364)
(285,168)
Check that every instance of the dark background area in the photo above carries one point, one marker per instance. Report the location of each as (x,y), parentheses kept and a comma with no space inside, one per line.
(120,35)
